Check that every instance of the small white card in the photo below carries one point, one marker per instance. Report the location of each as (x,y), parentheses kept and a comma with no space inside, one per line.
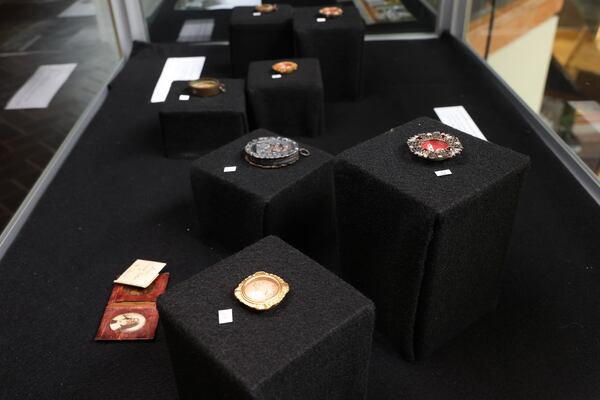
(81,8)
(257,14)
(184,97)
(41,87)
(230,169)
(196,30)
(458,118)
(443,172)
(321,19)
(225,316)
(176,69)
(141,273)
(276,76)
(228,4)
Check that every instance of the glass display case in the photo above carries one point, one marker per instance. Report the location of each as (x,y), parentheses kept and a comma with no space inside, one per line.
(55,57)
(549,53)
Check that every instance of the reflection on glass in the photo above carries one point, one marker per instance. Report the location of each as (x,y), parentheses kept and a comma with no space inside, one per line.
(411,15)
(549,52)
(571,102)
(213,4)
(55,56)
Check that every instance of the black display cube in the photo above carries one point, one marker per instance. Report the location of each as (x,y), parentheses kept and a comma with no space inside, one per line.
(338,44)
(255,36)
(315,344)
(237,208)
(291,105)
(195,126)
(428,250)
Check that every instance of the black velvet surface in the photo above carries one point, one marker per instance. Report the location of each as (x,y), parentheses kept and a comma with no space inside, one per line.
(338,44)
(117,198)
(237,208)
(428,250)
(314,345)
(292,105)
(261,37)
(193,127)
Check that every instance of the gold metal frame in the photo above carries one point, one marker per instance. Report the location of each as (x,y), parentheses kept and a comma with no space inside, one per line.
(283,289)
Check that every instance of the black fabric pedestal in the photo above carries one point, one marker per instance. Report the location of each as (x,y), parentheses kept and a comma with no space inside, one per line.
(193,127)
(338,44)
(292,105)
(428,250)
(237,208)
(260,37)
(315,344)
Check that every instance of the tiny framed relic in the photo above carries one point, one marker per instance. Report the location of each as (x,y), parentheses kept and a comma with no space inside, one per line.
(206,87)
(331,12)
(285,67)
(126,293)
(261,290)
(133,321)
(436,146)
(266,8)
(273,152)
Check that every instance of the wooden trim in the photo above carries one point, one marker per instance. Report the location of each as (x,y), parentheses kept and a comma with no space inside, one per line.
(510,22)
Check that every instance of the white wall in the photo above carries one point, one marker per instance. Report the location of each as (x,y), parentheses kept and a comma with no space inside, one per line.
(524,63)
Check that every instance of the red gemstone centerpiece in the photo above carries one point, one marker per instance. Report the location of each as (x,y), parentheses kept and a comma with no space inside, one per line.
(434,145)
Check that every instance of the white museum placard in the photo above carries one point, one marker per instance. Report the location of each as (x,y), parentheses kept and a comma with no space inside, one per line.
(40,88)
(81,8)
(176,69)
(196,30)
(458,118)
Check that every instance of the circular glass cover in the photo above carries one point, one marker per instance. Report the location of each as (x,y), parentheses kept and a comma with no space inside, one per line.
(271,147)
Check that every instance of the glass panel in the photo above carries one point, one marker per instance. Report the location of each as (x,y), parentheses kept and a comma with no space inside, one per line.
(381,16)
(549,52)
(55,56)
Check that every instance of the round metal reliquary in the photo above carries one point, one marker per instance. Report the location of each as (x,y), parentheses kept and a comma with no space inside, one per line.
(273,152)
(434,145)
(266,8)
(261,290)
(206,87)
(331,12)
(285,67)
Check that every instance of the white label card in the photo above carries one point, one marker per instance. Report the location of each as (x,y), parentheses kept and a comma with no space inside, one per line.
(458,118)
(196,30)
(276,76)
(184,97)
(443,172)
(141,273)
(81,8)
(230,169)
(40,88)
(256,14)
(228,4)
(321,19)
(225,316)
(176,69)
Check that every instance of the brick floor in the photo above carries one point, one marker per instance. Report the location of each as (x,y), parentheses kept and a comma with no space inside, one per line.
(29,138)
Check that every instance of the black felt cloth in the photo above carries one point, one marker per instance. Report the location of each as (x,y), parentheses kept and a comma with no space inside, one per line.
(262,37)
(193,127)
(292,105)
(338,44)
(314,345)
(428,250)
(117,198)
(237,208)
